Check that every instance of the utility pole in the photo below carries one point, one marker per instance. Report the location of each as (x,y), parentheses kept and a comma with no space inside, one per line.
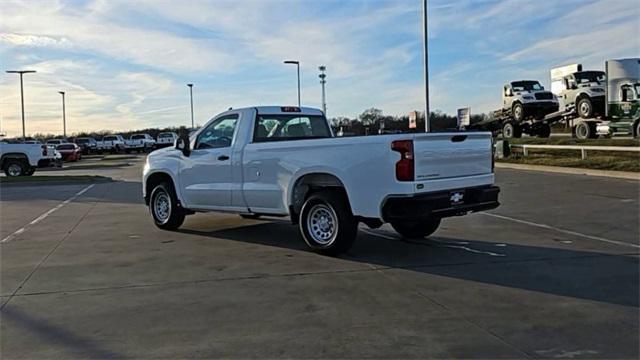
(64,116)
(191,96)
(427,126)
(297,63)
(21,72)
(323,81)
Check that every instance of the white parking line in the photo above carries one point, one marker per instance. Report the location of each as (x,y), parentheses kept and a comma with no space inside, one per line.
(569,232)
(43,216)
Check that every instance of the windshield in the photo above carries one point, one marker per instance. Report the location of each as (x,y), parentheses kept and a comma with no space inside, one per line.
(290,127)
(526,86)
(137,137)
(585,77)
(82,141)
(110,138)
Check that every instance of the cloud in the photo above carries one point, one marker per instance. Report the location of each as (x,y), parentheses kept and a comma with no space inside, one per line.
(35,41)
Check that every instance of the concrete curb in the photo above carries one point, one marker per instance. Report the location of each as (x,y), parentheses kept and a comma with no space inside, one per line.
(575,171)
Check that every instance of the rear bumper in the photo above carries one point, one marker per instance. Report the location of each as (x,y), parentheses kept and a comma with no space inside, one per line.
(440,204)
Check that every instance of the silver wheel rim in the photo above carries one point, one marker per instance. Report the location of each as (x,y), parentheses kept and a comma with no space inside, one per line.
(585,108)
(582,132)
(517,112)
(508,131)
(14,170)
(322,224)
(162,207)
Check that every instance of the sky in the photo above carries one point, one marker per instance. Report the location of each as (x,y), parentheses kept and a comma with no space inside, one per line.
(125,64)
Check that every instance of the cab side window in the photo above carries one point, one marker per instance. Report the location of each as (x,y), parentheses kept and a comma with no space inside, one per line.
(218,134)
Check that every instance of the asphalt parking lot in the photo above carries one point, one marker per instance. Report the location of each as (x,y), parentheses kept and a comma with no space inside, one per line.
(552,273)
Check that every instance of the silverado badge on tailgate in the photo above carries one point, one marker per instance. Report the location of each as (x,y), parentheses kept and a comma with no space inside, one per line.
(457,197)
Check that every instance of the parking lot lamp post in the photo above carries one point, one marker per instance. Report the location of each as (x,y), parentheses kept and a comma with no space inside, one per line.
(64,116)
(427,126)
(191,96)
(323,81)
(22,72)
(297,63)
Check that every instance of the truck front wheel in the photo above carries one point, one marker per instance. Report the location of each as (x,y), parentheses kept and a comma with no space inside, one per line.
(326,223)
(416,229)
(164,208)
(544,131)
(637,130)
(518,112)
(585,108)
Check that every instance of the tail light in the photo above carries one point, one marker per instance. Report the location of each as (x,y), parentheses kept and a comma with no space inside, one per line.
(404,166)
(44,150)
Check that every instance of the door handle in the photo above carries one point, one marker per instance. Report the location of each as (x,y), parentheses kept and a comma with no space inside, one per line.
(223,157)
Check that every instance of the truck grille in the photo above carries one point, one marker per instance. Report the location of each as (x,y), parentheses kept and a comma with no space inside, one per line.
(544,96)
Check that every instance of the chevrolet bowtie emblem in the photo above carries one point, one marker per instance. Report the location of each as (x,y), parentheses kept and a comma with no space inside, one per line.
(456,197)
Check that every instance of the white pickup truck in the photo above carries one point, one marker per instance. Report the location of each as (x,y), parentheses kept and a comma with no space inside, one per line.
(23,159)
(111,143)
(140,143)
(285,161)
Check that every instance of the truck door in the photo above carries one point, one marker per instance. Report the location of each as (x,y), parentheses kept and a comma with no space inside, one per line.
(206,178)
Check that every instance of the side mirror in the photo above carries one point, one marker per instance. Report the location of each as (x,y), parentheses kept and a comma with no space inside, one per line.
(182,144)
(509,92)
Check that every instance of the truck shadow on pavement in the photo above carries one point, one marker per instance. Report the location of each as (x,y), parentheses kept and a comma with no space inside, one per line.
(590,275)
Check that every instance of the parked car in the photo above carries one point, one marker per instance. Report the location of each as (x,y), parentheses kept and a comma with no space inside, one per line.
(111,143)
(23,159)
(166,139)
(70,152)
(140,143)
(88,145)
(285,161)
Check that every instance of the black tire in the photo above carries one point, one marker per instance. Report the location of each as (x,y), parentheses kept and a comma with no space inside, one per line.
(30,171)
(416,229)
(637,130)
(327,224)
(175,214)
(518,112)
(14,167)
(584,107)
(511,130)
(250,216)
(583,131)
(544,131)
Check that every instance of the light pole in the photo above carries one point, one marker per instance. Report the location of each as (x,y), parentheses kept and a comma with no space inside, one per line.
(427,127)
(191,96)
(64,116)
(21,72)
(297,63)
(323,81)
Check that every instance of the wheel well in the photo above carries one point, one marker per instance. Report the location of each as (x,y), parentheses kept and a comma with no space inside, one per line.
(310,183)
(582,96)
(155,179)
(15,156)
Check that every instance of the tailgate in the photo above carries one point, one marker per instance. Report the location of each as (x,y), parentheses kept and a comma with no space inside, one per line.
(452,155)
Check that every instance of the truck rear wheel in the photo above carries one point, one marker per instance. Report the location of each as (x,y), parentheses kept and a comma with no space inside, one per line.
(585,130)
(585,108)
(511,130)
(637,130)
(416,229)
(164,208)
(326,223)
(14,167)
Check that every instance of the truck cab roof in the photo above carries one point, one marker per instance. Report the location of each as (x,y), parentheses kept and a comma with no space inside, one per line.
(281,110)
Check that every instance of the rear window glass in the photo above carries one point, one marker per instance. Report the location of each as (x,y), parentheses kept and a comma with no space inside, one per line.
(137,137)
(110,138)
(290,127)
(165,135)
(66,147)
